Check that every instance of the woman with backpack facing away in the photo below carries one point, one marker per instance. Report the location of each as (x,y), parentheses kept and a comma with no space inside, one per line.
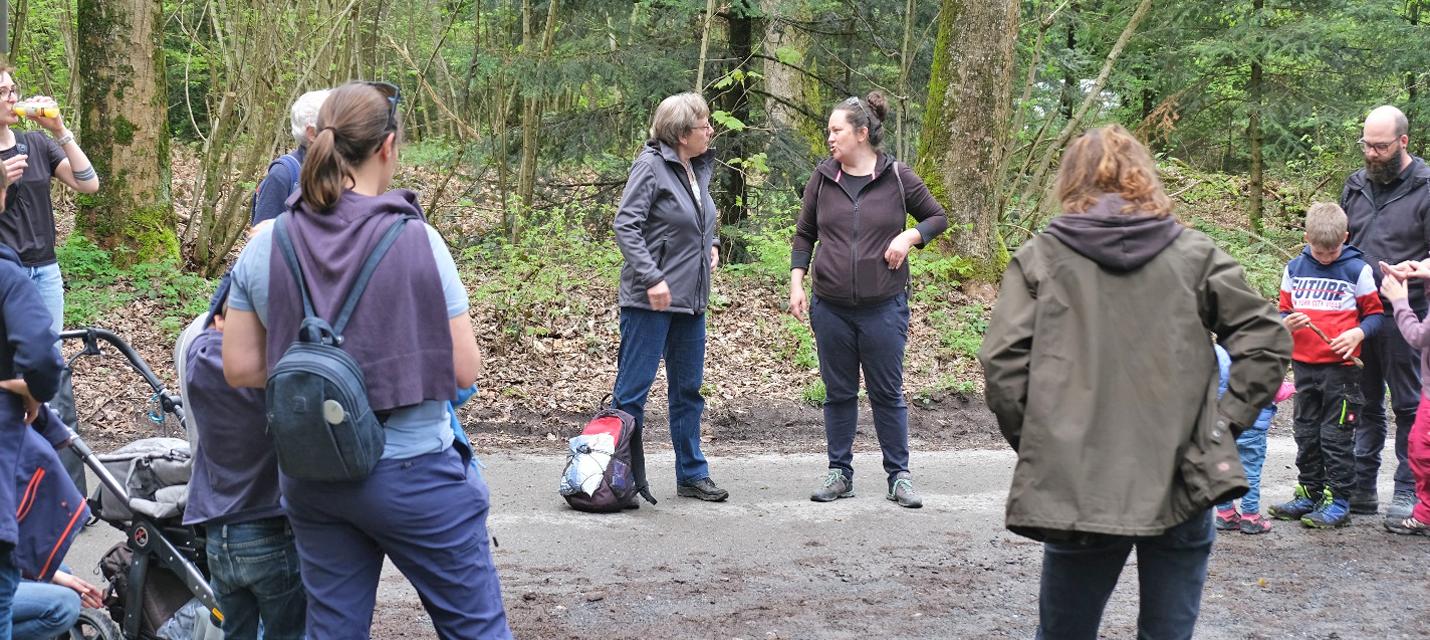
(409,333)
(855,207)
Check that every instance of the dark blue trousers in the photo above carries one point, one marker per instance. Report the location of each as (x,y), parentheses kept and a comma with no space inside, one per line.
(1390,363)
(869,338)
(647,337)
(1079,577)
(428,514)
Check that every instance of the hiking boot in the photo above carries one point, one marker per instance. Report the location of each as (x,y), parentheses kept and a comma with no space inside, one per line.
(1300,504)
(1227,519)
(901,490)
(1364,503)
(1329,514)
(704,489)
(836,486)
(1401,506)
(1254,523)
(1408,527)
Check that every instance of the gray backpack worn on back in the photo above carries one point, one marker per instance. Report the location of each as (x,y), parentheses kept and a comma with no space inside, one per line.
(318,414)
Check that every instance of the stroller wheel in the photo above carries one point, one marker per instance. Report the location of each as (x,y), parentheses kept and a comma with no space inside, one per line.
(95,624)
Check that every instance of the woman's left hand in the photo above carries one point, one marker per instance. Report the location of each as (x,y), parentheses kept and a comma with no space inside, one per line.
(899,249)
(714,258)
(18,387)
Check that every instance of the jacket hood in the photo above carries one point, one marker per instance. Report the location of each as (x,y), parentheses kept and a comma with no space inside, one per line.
(1116,241)
(1348,252)
(6,253)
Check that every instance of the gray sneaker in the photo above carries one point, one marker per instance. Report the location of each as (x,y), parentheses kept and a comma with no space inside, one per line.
(703,489)
(836,486)
(1401,506)
(901,490)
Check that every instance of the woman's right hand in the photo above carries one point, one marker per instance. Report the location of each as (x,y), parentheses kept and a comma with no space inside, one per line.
(798,302)
(659,296)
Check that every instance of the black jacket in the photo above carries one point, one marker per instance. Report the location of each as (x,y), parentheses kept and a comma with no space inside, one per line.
(849,267)
(1392,226)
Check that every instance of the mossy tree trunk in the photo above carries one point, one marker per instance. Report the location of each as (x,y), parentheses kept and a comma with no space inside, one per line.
(123,102)
(966,122)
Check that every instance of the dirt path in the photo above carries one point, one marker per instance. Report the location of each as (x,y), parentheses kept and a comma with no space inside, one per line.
(772,564)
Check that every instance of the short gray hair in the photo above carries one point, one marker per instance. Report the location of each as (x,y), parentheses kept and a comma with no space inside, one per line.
(1325,225)
(677,115)
(305,114)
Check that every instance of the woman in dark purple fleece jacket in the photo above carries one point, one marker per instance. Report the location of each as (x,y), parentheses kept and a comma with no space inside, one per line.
(856,206)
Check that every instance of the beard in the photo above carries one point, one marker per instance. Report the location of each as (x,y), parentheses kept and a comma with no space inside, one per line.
(1384,171)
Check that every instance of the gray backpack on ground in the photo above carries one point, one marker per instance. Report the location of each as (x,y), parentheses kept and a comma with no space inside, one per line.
(318,414)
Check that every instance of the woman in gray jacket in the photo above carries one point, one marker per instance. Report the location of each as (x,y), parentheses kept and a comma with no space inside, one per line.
(666,231)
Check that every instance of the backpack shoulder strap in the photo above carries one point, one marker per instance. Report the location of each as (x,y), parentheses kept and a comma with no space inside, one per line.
(899,178)
(294,168)
(368,266)
(285,244)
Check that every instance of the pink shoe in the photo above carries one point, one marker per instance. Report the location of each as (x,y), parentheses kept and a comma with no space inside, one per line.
(1253,524)
(1227,519)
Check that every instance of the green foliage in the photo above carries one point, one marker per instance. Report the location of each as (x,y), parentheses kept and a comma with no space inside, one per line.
(813,393)
(947,384)
(1263,258)
(797,344)
(960,329)
(528,284)
(95,289)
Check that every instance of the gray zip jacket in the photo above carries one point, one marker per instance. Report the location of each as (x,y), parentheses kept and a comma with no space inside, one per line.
(663,234)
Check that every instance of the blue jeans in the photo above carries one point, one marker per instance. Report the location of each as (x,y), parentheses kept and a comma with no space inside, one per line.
(1251,446)
(43,611)
(871,338)
(428,514)
(52,290)
(1079,577)
(254,569)
(9,581)
(646,337)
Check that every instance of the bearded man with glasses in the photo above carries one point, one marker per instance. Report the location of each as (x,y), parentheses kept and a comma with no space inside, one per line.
(1388,206)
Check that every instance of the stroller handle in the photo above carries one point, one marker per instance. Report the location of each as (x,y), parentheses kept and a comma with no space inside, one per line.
(91,336)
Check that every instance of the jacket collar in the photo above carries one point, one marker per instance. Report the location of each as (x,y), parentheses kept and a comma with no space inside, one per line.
(831,169)
(669,154)
(7,253)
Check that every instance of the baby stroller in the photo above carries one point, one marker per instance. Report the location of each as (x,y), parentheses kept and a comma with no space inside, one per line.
(160,566)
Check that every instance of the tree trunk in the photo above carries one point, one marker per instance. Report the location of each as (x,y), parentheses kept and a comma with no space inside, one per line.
(1070,79)
(1254,134)
(731,199)
(784,82)
(704,46)
(966,123)
(906,59)
(531,124)
(124,104)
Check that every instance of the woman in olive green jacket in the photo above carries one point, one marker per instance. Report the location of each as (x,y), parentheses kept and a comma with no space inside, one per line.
(1100,369)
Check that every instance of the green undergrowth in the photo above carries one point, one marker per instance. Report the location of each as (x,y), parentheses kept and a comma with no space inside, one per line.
(97,293)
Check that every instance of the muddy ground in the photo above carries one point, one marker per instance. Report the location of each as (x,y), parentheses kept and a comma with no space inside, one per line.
(771,564)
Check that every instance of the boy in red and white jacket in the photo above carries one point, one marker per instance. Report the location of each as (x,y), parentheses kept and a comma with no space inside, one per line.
(1330,288)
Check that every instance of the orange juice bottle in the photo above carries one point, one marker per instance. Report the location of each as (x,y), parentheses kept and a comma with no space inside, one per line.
(24,109)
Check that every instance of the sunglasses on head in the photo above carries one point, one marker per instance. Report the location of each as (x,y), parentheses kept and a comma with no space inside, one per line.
(389,91)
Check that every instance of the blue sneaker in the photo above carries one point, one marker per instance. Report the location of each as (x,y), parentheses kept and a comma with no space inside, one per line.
(1300,504)
(1330,514)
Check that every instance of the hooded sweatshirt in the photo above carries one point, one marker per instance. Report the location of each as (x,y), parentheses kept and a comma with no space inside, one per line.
(1100,370)
(1337,297)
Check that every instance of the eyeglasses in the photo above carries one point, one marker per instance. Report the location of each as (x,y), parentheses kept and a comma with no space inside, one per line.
(1378,147)
(389,91)
(11,91)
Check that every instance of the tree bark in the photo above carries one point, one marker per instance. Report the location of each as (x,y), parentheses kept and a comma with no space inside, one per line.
(124,107)
(531,123)
(1255,201)
(966,123)
(704,46)
(731,200)
(784,82)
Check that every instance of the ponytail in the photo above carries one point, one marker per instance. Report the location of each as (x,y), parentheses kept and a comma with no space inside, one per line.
(352,124)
